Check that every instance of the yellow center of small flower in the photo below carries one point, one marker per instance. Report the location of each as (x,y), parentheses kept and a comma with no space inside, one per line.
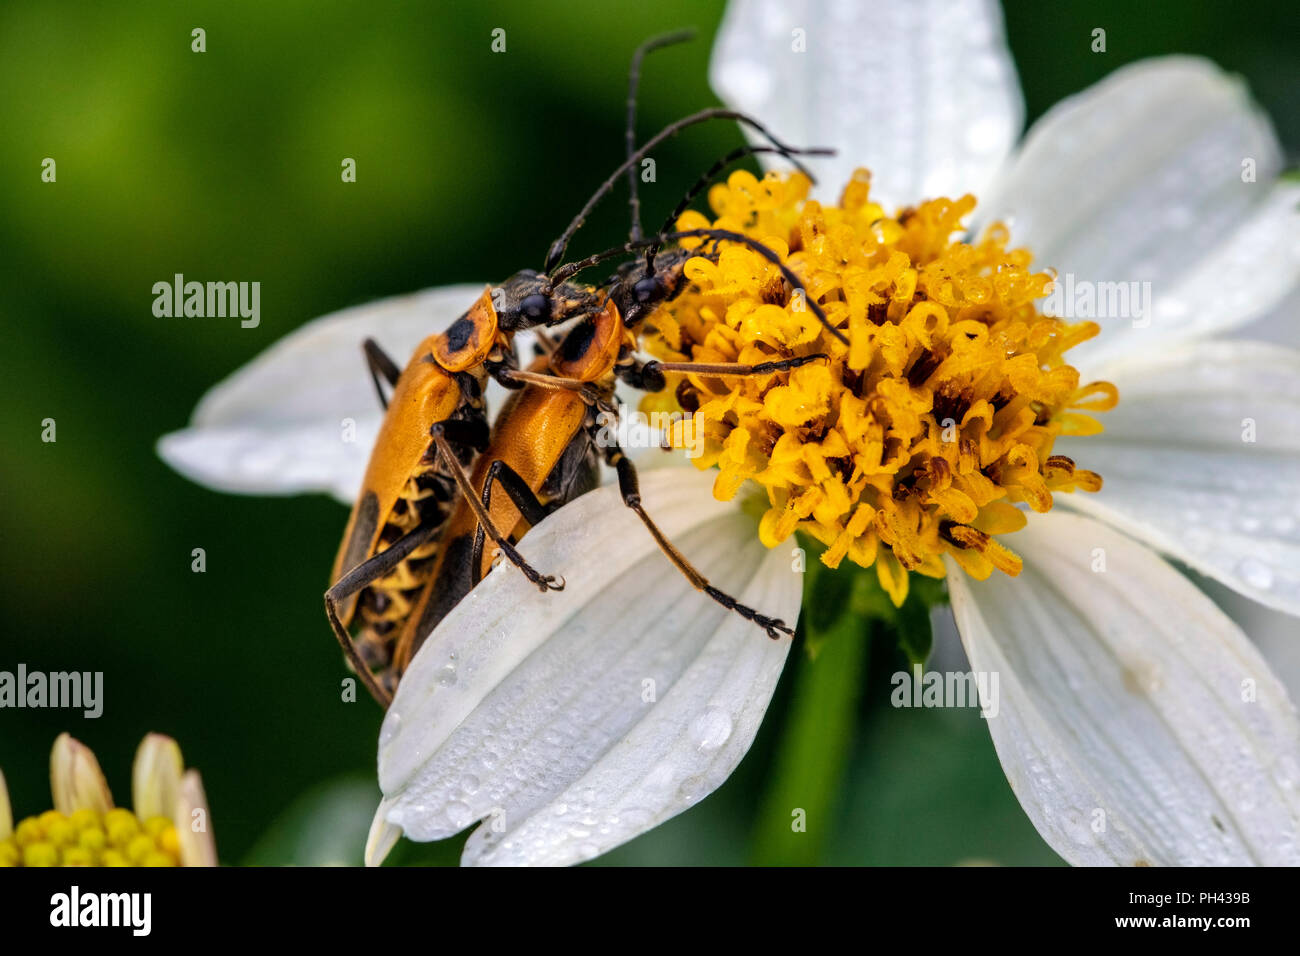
(91,838)
(919,437)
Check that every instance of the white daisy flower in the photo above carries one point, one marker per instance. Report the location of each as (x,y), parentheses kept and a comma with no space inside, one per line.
(1137,724)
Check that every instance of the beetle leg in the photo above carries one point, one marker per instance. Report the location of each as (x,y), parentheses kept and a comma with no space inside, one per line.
(365,573)
(629,488)
(532,510)
(379,363)
(499,364)
(547,582)
(542,380)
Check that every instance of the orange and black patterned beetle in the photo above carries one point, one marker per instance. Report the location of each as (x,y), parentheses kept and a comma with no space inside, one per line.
(397,571)
(434,424)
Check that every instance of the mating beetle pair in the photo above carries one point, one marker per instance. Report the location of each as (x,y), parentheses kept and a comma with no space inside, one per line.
(440,482)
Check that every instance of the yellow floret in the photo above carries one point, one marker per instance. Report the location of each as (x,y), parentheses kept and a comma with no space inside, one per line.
(916,439)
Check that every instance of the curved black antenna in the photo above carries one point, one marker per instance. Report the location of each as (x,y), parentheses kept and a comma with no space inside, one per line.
(740,152)
(633,81)
(566,272)
(558,247)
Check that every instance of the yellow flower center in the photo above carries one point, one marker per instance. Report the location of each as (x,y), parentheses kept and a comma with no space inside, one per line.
(917,439)
(91,838)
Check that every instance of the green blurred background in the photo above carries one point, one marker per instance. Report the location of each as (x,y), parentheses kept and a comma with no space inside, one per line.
(226,165)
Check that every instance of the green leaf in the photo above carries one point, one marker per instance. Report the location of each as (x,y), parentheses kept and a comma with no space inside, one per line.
(915,636)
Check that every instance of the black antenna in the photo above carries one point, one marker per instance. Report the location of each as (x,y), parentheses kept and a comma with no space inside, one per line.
(633,81)
(740,152)
(558,247)
(566,272)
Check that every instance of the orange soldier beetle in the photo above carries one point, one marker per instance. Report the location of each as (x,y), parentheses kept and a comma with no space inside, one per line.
(402,568)
(434,424)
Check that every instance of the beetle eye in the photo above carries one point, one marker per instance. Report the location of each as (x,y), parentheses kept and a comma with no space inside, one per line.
(535,307)
(647,290)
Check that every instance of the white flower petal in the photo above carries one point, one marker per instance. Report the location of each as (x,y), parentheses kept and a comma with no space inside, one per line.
(276,425)
(923,93)
(1273,632)
(1135,722)
(1280,325)
(574,721)
(1247,276)
(1180,475)
(1140,179)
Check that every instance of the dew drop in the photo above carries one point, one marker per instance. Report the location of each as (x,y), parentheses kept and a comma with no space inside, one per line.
(691,790)
(1256,573)
(469,783)
(711,729)
(459,814)
(447,676)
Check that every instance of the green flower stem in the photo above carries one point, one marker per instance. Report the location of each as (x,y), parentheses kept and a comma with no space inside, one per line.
(795,820)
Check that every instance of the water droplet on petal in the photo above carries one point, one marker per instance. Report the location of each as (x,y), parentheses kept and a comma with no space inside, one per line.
(711,729)
(691,790)
(459,814)
(1256,573)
